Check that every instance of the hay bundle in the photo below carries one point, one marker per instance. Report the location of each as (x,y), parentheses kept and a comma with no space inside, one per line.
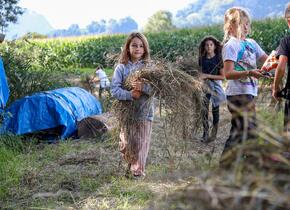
(179,94)
(261,170)
(253,176)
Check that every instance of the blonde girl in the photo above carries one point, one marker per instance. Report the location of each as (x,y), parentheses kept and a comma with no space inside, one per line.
(134,139)
(240,55)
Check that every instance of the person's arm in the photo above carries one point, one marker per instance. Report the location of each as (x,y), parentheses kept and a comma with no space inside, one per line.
(117,90)
(95,79)
(221,75)
(279,73)
(231,74)
(142,87)
(229,55)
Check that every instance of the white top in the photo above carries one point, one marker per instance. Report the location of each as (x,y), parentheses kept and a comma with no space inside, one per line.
(104,80)
(245,54)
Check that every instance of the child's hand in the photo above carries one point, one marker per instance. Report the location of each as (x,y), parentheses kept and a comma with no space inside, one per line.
(204,76)
(137,85)
(136,94)
(275,95)
(256,73)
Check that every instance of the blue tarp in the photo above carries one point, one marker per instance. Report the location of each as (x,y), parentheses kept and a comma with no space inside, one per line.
(4,89)
(51,109)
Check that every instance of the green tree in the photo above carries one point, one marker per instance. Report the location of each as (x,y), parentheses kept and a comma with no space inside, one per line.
(33,35)
(160,21)
(9,12)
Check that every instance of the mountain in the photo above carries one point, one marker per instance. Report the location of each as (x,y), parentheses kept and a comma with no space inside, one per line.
(28,22)
(32,22)
(207,12)
(112,26)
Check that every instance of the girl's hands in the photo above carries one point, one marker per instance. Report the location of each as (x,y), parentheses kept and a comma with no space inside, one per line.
(204,76)
(138,85)
(136,94)
(137,89)
(257,73)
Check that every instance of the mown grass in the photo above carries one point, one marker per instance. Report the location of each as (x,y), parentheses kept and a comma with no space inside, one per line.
(71,177)
(85,174)
(20,169)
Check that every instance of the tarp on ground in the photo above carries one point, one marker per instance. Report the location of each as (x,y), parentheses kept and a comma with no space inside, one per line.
(51,109)
(4,89)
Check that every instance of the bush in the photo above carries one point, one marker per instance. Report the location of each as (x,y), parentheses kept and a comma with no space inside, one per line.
(30,69)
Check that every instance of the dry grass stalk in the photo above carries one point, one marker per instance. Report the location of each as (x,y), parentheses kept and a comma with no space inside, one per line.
(259,180)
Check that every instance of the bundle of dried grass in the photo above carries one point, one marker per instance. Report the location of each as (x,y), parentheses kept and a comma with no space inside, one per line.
(179,94)
(253,176)
(188,64)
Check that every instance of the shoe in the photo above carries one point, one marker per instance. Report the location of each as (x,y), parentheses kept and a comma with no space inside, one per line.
(204,137)
(138,176)
(213,133)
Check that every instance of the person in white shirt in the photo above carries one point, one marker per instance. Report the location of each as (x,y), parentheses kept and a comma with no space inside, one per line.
(240,55)
(102,78)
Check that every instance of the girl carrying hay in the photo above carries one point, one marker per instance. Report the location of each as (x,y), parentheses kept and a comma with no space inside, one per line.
(135,132)
(212,73)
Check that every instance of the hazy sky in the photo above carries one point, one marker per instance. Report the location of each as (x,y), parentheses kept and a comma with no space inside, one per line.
(63,13)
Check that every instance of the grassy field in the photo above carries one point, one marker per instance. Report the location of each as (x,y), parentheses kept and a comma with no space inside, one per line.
(88,173)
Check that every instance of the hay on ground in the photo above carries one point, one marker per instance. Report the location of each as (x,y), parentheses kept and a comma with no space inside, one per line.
(253,175)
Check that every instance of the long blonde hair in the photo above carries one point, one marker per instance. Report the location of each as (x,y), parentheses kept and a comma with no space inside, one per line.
(287,9)
(125,54)
(233,18)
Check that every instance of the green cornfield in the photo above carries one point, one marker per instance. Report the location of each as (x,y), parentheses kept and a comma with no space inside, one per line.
(92,50)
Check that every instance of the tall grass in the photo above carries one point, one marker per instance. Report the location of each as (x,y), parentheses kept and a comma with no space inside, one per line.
(31,69)
(11,165)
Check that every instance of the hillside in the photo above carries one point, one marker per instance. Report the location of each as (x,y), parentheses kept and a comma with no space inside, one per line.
(29,22)
(204,12)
